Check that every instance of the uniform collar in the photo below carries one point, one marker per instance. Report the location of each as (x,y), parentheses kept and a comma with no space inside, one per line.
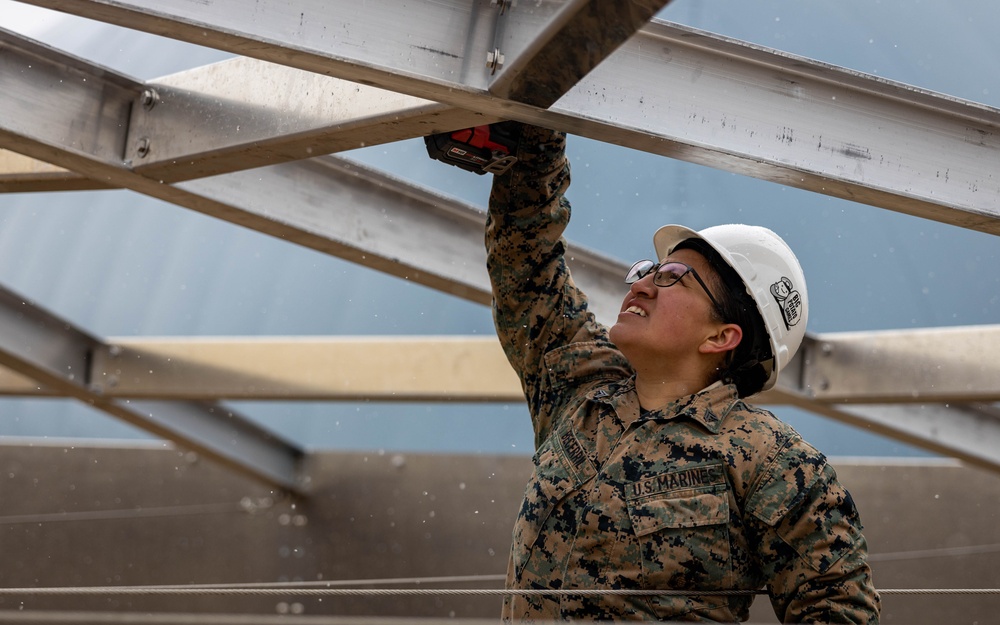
(708,406)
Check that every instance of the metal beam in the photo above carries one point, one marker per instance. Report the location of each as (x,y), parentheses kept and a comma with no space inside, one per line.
(358,214)
(51,98)
(928,365)
(242,113)
(368,217)
(543,49)
(317,368)
(475,369)
(14,384)
(970,432)
(407,47)
(228,116)
(831,368)
(58,356)
(23,174)
(884,364)
(714,101)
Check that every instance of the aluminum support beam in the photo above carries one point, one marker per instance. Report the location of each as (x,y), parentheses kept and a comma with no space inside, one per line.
(228,116)
(406,47)
(475,369)
(970,433)
(930,365)
(669,90)
(379,221)
(866,367)
(543,49)
(53,99)
(243,113)
(58,356)
(16,385)
(22,174)
(390,368)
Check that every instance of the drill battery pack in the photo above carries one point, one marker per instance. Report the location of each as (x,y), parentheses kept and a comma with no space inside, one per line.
(483,149)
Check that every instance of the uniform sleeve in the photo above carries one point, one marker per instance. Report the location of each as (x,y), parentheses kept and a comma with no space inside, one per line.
(811,547)
(536,305)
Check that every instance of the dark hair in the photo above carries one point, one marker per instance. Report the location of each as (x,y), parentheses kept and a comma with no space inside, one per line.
(744,365)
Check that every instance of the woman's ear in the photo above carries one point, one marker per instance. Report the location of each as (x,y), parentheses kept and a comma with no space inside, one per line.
(726,338)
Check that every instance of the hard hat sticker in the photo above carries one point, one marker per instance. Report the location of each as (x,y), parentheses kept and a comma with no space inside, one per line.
(789,301)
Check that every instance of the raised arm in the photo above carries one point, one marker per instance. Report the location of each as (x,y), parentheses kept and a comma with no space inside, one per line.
(537,307)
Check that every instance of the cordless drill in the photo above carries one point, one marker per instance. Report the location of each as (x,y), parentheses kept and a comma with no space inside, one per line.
(480,150)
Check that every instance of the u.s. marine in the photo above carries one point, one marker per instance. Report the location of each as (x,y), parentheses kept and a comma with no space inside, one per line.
(651,471)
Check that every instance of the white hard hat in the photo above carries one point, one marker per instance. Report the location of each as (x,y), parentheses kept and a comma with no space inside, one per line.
(771,274)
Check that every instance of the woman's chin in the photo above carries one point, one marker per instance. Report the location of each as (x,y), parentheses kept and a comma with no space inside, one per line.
(621,335)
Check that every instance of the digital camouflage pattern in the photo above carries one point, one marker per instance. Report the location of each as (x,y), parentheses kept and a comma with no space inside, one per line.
(707,493)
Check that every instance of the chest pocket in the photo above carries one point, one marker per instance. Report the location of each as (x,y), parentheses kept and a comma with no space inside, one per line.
(681,523)
(561,467)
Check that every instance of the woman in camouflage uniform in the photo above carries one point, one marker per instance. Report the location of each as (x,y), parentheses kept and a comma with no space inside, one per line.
(650,471)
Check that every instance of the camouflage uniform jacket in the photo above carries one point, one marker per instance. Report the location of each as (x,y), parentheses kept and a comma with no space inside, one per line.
(707,493)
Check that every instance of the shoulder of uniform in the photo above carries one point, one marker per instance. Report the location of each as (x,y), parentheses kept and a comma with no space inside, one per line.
(761,424)
(581,362)
(774,465)
(785,476)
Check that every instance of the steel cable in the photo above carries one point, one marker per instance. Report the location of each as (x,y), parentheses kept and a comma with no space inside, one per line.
(377,592)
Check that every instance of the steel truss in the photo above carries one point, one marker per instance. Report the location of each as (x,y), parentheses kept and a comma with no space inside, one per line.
(190,138)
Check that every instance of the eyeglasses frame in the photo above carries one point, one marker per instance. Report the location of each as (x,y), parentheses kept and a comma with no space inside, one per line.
(654,269)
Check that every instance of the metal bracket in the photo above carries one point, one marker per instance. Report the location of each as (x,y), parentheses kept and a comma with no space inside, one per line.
(495,58)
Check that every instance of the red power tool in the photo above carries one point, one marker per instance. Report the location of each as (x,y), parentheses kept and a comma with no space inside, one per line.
(480,150)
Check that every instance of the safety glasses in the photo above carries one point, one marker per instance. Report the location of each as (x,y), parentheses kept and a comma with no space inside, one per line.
(668,274)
